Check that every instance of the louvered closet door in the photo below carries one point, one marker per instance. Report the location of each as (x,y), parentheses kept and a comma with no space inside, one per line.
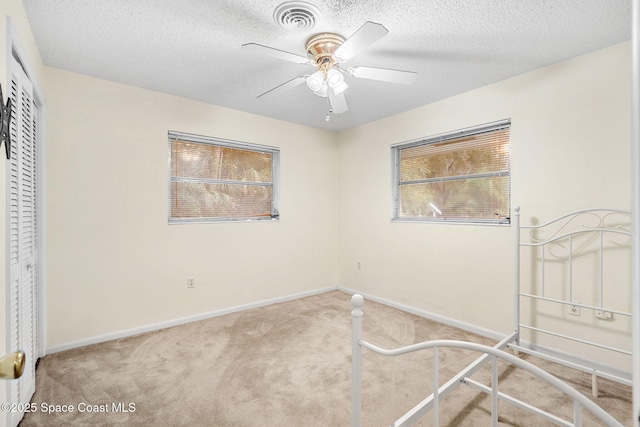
(23,235)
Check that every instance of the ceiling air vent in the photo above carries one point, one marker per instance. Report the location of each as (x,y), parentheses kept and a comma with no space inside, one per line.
(296,15)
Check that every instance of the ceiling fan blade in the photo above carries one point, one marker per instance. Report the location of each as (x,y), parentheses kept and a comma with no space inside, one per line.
(286,85)
(276,53)
(383,74)
(338,102)
(365,36)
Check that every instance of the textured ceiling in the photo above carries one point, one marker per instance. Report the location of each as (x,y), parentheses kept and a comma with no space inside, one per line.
(191,48)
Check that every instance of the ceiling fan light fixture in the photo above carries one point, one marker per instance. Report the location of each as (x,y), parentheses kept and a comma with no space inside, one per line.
(340,88)
(315,81)
(334,78)
(323,91)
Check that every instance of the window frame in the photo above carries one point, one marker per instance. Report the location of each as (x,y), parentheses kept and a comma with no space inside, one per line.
(219,142)
(447,136)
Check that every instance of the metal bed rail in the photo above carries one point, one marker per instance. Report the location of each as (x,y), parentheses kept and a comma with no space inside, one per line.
(580,402)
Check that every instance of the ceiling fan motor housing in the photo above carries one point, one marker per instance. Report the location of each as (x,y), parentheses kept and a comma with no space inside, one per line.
(321,47)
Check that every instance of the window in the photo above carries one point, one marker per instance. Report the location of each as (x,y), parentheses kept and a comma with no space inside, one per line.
(461,176)
(217,180)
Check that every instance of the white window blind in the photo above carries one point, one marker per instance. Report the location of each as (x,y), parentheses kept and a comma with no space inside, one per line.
(214,180)
(462,176)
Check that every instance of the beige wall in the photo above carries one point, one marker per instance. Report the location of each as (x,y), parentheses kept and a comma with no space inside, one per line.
(115,264)
(570,151)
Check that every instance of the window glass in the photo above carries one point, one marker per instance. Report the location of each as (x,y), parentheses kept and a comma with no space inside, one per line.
(463,176)
(212,180)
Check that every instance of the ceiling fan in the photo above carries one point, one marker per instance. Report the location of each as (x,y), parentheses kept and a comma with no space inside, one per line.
(328,52)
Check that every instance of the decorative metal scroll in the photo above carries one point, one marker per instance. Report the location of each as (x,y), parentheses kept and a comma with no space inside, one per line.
(5,119)
(590,220)
(580,230)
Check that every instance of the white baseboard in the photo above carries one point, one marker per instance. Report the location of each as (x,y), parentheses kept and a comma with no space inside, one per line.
(488,333)
(491,334)
(184,320)
(170,323)
(418,312)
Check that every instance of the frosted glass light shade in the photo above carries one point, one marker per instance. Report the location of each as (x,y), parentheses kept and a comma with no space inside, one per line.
(315,81)
(323,91)
(334,78)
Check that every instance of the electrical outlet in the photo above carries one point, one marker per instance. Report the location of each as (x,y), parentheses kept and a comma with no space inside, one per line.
(574,310)
(604,315)
(191,282)
(359,266)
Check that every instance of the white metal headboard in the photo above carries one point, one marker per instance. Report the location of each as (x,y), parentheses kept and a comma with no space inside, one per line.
(588,232)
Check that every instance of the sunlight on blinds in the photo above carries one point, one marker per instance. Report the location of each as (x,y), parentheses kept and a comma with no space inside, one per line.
(211,181)
(458,179)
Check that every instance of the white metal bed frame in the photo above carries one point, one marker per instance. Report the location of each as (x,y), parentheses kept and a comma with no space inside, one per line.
(580,402)
(601,228)
(562,230)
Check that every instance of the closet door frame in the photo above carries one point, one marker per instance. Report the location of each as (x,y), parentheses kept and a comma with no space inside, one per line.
(15,53)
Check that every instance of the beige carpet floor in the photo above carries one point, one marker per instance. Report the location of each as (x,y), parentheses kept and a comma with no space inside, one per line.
(286,364)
